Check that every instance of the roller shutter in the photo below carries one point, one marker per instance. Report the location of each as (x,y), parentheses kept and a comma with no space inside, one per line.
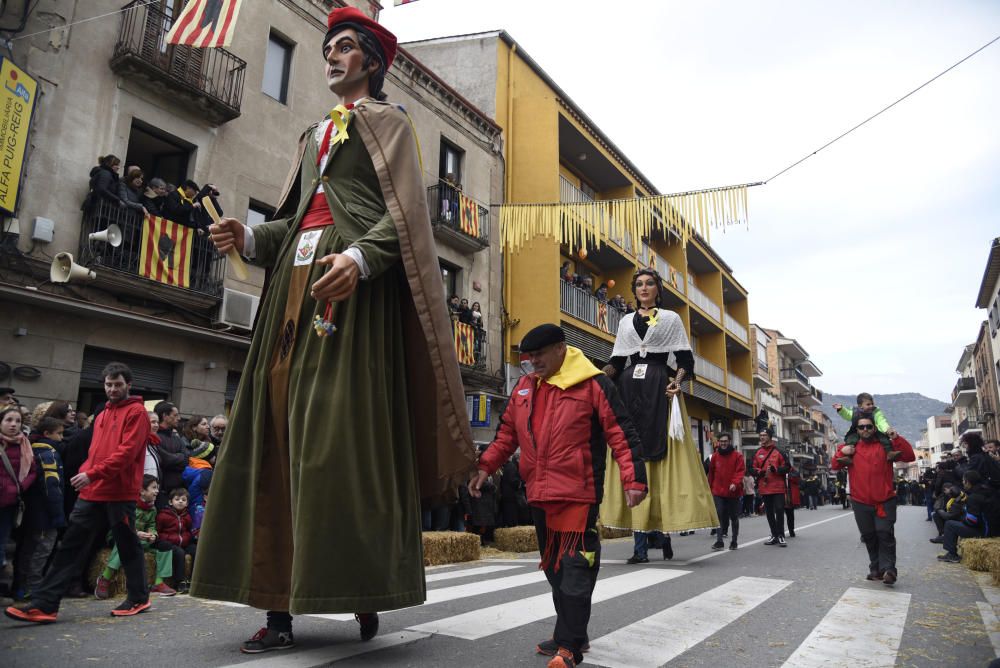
(149,374)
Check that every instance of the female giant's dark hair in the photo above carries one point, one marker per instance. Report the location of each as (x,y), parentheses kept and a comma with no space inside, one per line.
(659,285)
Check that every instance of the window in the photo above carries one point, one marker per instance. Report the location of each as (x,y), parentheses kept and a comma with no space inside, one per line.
(258,213)
(276,68)
(449,279)
(157,153)
(450,168)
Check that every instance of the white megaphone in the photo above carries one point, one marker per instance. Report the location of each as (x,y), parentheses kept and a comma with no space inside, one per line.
(111,236)
(64,270)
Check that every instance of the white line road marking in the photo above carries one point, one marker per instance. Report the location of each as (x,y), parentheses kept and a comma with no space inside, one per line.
(658,639)
(864,628)
(463,591)
(326,655)
(989,609)
(498,618)
(468,572)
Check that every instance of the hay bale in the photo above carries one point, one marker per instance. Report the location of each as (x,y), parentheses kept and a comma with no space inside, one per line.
(449,547)
(118,581)
(516,539)
(981,554)
(608,533)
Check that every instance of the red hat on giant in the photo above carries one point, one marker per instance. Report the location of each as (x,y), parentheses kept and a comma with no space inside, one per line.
(351,17)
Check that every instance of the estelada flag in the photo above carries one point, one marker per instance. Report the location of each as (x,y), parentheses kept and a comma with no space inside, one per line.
(166,251)
(205,23)
(468,214)
(465,340)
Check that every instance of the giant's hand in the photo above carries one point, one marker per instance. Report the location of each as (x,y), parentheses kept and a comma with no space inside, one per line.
(226,234)
(477,483)
(339,281)
(634,497)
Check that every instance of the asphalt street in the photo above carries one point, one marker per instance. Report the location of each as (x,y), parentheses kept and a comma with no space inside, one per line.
(805,605)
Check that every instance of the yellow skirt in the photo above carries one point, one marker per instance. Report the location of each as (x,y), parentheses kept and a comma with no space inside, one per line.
(679,496)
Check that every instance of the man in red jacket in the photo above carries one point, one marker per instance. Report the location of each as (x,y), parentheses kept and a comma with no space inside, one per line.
(770,464)
(725,477)
(873,494)
(109,483)
(563,416)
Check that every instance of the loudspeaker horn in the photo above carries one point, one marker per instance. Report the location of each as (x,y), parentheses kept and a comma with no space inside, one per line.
(64,270)
(111,236)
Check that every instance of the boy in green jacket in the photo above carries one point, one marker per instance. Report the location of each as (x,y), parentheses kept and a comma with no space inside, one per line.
(866,404)
(145,528)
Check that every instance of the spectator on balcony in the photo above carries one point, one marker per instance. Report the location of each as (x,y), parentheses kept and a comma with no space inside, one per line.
(454,307)
(619,303)
(477,315)
(155,196)
(564,270)
(180,207)
(464,312)
(602,293)
(130,192)
(103,184)
(680,498)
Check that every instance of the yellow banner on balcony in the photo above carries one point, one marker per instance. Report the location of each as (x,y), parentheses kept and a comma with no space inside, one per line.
(468,215)
(583,225)
(465,343)
(166,252)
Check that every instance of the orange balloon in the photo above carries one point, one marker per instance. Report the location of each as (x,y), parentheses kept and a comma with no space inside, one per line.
(582,253)
(611,283)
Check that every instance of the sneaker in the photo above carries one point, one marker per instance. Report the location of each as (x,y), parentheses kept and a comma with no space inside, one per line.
(773,540)
(184,587)
(781,541)
(162,590)
(791,533)
(369,624)
(937,539)
(733,545)
(563,658)
(267,639)
(950,558)
(26,613)
(550,647)
(636,559)
(718,545)
(103,588)
(875,574)
(668,551)
(725,535)
(129,608)
(889,578)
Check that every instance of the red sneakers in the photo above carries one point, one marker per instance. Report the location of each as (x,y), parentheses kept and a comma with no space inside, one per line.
(162,589)
(129,608)
(34,615)
(562,659)
(103,588)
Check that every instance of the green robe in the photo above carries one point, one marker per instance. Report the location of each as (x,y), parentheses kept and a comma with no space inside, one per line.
(333,441)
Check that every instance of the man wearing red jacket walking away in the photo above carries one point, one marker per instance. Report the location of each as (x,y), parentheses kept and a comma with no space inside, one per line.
(873,494)
(770,464)
(563,416)
(109,483)
(725,477)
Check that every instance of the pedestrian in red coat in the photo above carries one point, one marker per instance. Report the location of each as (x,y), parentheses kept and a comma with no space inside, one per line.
(725,477)
(873,494)
(793,498)
(770,464)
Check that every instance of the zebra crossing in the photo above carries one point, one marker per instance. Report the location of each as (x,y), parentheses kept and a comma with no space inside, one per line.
(863,628)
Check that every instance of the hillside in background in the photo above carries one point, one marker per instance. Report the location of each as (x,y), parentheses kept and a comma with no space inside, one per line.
(907,412)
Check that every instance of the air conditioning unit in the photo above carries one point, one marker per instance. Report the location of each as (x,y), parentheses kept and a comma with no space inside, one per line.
(238,309)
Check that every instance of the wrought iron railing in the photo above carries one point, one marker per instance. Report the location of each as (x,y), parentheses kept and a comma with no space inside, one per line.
(470,345)
(795,374)
(796,412)
(450,208)
(206,268)
(215,73)
(584,306)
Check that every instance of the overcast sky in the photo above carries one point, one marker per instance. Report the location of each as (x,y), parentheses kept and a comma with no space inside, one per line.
(869,253)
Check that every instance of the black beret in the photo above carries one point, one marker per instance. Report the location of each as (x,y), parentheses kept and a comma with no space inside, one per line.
(541,336)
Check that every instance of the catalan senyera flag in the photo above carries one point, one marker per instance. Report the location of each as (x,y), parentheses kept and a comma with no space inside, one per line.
(465,343)
(166,251)
(205,23)
(468,215)
(602,317)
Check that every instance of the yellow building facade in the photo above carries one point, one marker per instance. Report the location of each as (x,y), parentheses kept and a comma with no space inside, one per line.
(554,153)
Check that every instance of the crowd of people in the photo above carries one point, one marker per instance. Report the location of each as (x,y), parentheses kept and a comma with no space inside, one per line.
(462,312)
(586,283)
(48,445)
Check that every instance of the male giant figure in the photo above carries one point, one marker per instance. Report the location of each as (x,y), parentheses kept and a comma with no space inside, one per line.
(351,407)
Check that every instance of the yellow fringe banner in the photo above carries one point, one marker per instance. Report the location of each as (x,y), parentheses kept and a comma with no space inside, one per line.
(624,222)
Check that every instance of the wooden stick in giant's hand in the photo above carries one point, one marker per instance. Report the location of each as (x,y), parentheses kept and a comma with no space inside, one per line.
(239,267)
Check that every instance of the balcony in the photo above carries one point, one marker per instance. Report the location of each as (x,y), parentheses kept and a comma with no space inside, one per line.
(585,307)
(965,392)
(470,345)
(762,374)
(796,414)
(701,300)
(795,380)
(736,329)
(739,386)
(707,371)
(811,399)
(457,219)
(210,80)
(673,277)
(118,269)
(969,424)
(768,400)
